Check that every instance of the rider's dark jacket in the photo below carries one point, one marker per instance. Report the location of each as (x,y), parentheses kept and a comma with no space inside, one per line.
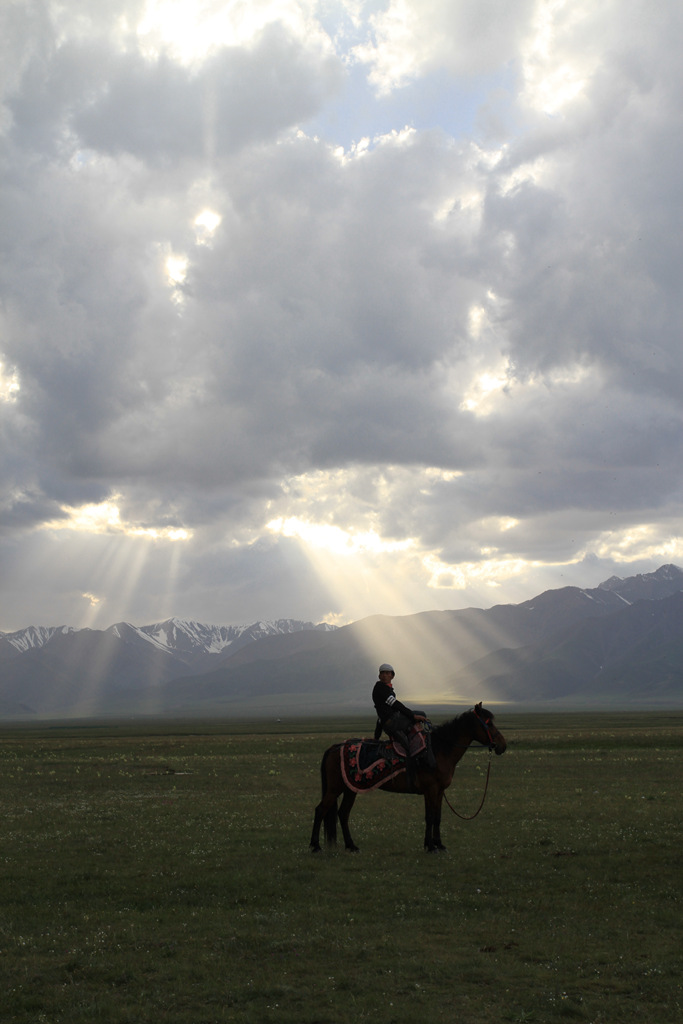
(387,704)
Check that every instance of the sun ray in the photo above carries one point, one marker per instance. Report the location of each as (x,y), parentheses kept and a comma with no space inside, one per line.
(105,517)
(361,569)
(170,591)
(117,564)
(112,557)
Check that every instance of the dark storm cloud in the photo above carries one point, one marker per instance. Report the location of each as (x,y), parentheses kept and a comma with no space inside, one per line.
(471,343)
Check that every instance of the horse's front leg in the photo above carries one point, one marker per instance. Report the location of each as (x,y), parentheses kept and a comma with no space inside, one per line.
(433,842)
(315,834)
(344,813)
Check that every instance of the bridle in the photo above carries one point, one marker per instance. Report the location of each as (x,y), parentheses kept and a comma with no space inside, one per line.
(486,723)
(492,746)
(468,817)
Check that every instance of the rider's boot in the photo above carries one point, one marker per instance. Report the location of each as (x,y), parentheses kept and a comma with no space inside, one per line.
(411,770)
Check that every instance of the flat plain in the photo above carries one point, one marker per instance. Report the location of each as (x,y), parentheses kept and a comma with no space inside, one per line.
(159,873)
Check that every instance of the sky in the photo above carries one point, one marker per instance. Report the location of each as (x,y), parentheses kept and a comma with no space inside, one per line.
(319,309)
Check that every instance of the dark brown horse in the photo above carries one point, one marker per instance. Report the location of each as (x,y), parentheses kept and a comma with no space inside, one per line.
(449,743)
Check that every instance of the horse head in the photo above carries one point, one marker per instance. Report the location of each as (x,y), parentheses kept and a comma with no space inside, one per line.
(485,730)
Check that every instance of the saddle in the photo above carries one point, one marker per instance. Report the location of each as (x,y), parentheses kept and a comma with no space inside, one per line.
(367,764)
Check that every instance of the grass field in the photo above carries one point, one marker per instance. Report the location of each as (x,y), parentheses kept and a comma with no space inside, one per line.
(160,873)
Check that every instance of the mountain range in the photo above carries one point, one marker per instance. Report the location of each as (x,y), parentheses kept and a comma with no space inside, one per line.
(619,644)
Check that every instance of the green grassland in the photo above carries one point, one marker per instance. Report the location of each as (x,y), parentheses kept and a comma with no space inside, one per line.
(160,874)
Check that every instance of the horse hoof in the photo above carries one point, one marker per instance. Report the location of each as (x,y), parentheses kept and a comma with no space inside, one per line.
(316,849)
(353,849)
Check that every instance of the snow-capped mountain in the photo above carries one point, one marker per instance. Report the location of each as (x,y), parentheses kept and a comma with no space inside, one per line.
(620,639)
(177,636)
(61,670)
(185,637)
(32,637)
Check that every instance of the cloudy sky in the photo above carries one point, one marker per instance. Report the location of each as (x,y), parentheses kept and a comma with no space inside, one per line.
(323,308)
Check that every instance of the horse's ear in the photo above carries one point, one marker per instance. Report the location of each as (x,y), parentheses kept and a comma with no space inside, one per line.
(477,707)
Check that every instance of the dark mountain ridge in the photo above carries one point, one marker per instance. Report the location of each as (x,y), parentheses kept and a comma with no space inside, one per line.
(616,642)
(630,654)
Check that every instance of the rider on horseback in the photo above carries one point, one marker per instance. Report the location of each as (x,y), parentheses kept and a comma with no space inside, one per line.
(394,717)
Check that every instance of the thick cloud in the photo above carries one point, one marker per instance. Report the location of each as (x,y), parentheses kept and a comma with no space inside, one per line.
(414,37)
(257,370)
(160,111)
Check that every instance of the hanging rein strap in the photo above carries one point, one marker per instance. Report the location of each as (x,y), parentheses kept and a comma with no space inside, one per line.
(469,817)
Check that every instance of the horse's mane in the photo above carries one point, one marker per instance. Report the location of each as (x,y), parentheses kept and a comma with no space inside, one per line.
(445,736)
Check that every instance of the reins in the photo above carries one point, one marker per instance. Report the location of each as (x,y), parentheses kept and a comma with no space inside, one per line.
(469,817)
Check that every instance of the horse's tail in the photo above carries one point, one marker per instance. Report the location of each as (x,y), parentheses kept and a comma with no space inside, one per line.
(330,819)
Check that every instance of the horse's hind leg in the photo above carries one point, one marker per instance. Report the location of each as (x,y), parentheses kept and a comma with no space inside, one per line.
(315,834)
(326,811)
(344,814)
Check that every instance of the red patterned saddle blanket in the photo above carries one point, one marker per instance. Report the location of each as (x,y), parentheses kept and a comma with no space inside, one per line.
(367,764)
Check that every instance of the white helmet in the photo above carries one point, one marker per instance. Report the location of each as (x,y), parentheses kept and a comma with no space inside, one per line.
(386,668)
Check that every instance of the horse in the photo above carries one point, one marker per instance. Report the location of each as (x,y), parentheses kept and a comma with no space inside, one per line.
(449,743)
